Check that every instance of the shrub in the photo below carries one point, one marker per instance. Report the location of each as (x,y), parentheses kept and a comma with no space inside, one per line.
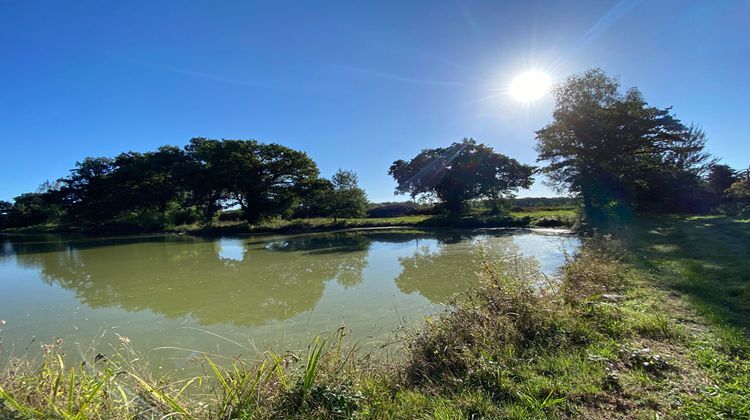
(505,316)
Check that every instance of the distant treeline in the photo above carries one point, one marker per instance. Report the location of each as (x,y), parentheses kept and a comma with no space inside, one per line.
(548,202)
(173,185)
(409,208)
(401,208)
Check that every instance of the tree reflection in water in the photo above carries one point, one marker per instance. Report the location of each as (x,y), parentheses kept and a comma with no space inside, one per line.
(180,276)
(450,265)
(251,281)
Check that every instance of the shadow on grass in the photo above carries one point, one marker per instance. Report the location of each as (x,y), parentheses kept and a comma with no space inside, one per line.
(706,259)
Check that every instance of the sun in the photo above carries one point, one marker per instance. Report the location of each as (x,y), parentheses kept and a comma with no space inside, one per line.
(530,86)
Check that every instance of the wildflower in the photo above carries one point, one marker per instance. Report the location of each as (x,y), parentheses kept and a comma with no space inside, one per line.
(2,322)
(123,339)
(47,348)
(58,341)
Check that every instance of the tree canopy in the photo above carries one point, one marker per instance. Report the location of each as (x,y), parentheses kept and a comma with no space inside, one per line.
(173,185)
(463,171)
(347,199)
(339,197)
(737,200)
(263,179)
(720,177)
(608,146)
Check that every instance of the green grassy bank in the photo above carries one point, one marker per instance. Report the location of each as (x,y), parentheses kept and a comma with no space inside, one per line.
(651,323)
(530,218)
(533,218)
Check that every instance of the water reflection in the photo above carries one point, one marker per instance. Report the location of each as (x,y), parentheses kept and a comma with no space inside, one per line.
(441,269)
(243,282)
(253,281)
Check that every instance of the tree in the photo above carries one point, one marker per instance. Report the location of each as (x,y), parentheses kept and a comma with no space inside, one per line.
(315,200)
(738,197)
(154,179)
(6,208)
(137,191)
(606,147)
(263,179)
(672,180)
(204,179)
(339,197)
(720,177)
(142,191)
(88,194)
(347,199)
(151,187)
(34,208)
(458,173)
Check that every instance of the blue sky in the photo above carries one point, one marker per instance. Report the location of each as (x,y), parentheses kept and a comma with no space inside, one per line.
(355,84)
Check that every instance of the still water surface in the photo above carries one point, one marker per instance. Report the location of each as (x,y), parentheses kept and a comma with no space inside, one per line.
(176,296)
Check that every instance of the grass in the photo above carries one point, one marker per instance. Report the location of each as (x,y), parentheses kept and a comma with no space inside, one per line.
(650,324)
(705,259)
(527,218)
(40,228)
(299,225)
(532,218)
(704,262)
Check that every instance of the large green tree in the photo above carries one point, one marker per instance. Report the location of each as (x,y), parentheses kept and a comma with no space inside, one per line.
(608,146)
(262,179)
(463,171)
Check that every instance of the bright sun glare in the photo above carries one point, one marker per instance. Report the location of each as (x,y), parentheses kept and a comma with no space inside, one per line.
(529,86)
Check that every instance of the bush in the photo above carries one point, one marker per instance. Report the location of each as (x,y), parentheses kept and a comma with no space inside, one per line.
(506,338)
(554,221)
(507,315)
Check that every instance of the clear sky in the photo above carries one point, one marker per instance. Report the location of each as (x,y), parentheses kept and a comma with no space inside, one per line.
(355,84)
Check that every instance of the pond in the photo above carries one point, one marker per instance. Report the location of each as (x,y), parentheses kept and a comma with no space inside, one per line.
(175,297)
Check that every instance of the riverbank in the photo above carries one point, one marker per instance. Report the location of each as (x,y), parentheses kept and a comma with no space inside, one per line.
(564,218)
(651,322)
(542,218)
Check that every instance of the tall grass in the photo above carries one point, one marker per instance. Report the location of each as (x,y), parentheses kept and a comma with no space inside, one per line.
(516,316)
(116,387)
(107,387)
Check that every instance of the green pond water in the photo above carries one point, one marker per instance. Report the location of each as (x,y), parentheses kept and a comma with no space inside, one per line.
(176,296)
